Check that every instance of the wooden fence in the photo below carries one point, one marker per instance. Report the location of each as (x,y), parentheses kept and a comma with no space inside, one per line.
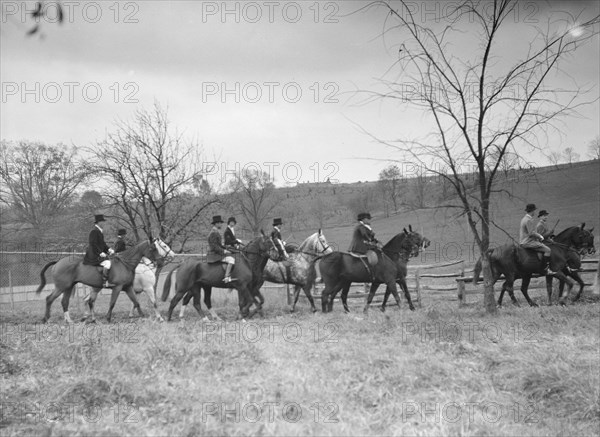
(422,279)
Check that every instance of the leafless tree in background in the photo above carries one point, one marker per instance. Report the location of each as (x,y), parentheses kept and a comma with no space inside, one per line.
(480,104)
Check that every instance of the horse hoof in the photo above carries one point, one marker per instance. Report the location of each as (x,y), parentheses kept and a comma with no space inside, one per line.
(90,321)
(382,309)
(412,308)
(533,304)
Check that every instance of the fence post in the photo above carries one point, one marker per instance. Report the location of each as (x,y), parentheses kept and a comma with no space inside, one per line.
(461,286)
(418,282)
(10,288)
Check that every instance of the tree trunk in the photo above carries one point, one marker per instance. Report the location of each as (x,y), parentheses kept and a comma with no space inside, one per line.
(489,299)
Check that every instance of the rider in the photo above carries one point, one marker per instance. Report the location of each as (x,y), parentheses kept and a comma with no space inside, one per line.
(542,227)
(121,243)
(231,241)
(530,239)
(97,251)
(277,240)
(363,238)
(217,251)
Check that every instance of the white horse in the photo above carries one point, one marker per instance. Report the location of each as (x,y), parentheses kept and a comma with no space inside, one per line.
(292,271)
(144,280)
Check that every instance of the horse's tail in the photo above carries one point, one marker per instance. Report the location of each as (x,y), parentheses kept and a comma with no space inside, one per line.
(167,286)
(43,277)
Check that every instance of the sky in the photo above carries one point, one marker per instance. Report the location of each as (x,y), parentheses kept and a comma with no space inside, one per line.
(269,85)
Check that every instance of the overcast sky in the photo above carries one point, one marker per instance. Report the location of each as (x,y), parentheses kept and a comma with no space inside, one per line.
(230,74)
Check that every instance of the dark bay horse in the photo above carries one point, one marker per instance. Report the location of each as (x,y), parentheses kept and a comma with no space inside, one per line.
(69,271)
(293,271)
(515,262)
(194,275)
(339,270)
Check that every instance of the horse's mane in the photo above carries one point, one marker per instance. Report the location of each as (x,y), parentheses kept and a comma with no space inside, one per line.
(395,243)
(566,232)
(303,245)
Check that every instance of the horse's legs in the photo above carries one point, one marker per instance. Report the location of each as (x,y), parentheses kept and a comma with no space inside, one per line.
(561,286)
(576,276)
(91,301)
(345,290)
(65,304)
(372,290)
(174,301)
(131,294)
(195,293)
(561,277)
(524,286)
(508,285)
(391,286)
(208,302)
(49,299)
(332,294)
(404,287)
(113,300)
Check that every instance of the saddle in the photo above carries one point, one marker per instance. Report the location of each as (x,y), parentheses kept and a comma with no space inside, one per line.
(370,257)
(528,257)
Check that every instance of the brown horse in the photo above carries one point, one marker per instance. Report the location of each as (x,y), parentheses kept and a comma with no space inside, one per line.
(515,262)
(339,270)
(194,275)
(69,271)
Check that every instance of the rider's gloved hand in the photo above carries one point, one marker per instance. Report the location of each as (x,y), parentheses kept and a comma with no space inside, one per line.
(103,255)
(111,251)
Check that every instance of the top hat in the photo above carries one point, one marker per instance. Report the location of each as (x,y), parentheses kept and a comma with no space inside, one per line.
(543,212)
(121,232)
(99,218)
(530,207)
(231,219)
(364,215)
(216,219)
(277,222)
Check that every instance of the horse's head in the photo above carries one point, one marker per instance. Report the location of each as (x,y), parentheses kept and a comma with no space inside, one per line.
(160,251)
(266,246)
(316,244)
(580,238)
(414,241)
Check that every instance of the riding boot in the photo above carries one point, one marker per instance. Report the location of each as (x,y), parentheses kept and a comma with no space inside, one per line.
(228,273)
(105,277)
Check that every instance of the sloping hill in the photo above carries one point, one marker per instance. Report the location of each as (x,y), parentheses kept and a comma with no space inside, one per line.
(569,193)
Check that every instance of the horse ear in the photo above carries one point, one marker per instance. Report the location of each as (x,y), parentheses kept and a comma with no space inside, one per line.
(262,232)
(410,228)
(591,231)
(319,231)
(582,226)
(405,231)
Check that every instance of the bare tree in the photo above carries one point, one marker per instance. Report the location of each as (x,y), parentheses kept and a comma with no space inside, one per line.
(153,176)
(38,181)
(555,157)
(389,183)
(253,196)
(594,148)
(471,99)
(570,155)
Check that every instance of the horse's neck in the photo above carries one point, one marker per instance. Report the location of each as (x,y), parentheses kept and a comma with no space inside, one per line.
(309,245)
(133,258)
(565,237)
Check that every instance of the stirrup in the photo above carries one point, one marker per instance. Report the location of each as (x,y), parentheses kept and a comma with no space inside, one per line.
(229,279)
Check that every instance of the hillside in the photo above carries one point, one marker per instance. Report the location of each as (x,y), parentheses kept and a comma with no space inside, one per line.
(569,193)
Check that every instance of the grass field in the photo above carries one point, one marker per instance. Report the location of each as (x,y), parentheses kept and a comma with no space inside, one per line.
(435,371)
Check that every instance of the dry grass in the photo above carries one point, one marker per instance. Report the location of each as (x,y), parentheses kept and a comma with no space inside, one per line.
(436,371)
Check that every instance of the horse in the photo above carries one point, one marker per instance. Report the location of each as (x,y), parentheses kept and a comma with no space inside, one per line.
(294,271)
(68,271)
(193,275)
(340,269)
(144,280)
(516,262)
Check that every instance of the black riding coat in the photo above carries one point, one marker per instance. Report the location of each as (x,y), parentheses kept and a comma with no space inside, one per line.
(363,239)
(96,246)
